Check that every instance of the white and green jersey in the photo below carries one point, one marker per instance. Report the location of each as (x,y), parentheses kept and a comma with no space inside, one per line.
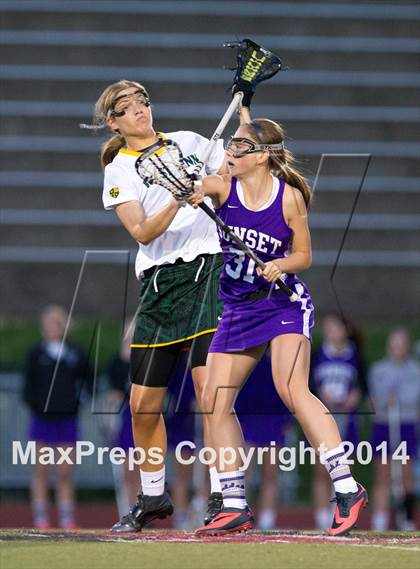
(191,232)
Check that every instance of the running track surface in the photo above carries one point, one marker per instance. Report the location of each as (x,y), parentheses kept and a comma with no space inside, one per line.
(176,536)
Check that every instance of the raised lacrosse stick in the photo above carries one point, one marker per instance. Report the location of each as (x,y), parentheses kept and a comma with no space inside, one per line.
(254,64)
(163,163)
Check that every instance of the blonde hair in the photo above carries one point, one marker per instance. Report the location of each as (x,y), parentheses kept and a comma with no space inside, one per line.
(281,161)
(103,106)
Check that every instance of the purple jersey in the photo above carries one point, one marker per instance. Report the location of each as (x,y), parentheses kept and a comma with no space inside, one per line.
(336,373)
(264,231)
(248,322)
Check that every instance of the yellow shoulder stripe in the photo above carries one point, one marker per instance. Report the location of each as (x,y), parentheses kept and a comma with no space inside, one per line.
(134,152)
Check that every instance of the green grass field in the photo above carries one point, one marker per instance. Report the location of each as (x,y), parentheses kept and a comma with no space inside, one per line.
(23,550)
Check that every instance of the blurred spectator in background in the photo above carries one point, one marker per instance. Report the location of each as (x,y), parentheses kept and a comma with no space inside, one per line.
(395,391)
(116,424)
(54,375)
(181,422)
(260,430)
(338,380)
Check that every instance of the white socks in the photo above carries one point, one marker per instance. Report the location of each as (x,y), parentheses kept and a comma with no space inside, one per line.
(153,483)
(233,489)
(339,471)
(214,481)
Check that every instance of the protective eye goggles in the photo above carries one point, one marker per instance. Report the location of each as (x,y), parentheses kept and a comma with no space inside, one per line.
(239,147)
(120,104)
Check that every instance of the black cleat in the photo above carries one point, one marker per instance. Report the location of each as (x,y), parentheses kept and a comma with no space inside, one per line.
(147,509)
(214,505)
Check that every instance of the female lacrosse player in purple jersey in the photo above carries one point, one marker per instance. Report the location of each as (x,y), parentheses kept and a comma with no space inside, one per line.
(265,201)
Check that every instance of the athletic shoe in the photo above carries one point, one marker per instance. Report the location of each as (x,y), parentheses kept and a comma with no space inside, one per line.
(228,520)
(348,510)
(147,509)
(214,506)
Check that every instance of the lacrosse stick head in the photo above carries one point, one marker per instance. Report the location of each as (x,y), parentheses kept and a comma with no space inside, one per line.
(254,63)
(163,164)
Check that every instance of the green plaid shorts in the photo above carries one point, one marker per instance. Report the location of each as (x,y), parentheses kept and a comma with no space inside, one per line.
(178,302)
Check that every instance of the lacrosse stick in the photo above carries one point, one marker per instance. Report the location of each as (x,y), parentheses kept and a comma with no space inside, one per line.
(254,64)
(163,163)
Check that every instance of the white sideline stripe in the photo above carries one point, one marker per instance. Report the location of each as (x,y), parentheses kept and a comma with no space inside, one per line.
(199,75)
(69,179)
(164,40)
(384,546)
(83,217)
(377,545)
(201,111)
(328,10)
(82,144)
(326,258)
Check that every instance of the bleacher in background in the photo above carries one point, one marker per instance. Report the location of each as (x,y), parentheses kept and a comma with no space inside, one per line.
(351,92)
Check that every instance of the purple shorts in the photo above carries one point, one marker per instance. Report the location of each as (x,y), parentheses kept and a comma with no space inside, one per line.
(53,431)
(254,322)
(408,433)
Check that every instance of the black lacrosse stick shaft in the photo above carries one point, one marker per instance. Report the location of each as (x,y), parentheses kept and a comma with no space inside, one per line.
(241,244)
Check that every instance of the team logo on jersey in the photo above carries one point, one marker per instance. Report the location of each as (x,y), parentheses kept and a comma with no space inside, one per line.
(114,192)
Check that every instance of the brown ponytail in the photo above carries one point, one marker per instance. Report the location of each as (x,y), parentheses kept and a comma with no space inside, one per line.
(282,161)
(110,149)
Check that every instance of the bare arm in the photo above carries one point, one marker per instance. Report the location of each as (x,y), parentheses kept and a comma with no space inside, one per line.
(145,228)
(217,187)
(244,115)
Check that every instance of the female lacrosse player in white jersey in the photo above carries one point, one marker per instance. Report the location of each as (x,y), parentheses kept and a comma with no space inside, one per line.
(179,262)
